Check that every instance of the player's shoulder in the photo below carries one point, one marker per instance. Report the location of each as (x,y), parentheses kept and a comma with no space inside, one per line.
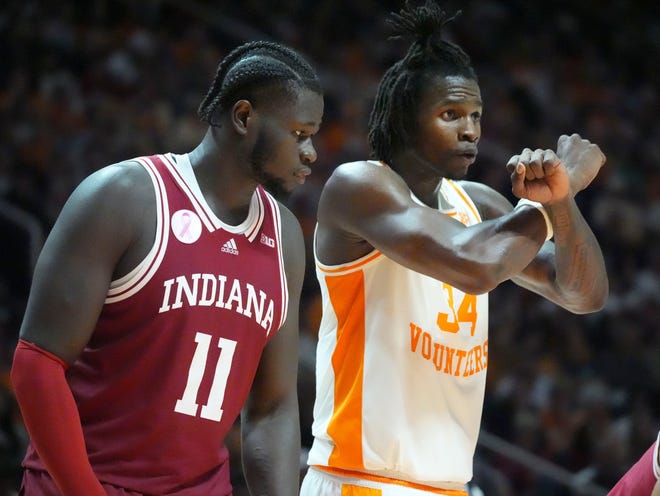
(121,189)
(286,215)
(293,243)
(475,188)
(358,176)
(489,202)
(125,175)
(358,168)
(357,190)
(289,224)
(121,177)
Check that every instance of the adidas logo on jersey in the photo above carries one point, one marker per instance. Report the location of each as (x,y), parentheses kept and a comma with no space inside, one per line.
(230,247)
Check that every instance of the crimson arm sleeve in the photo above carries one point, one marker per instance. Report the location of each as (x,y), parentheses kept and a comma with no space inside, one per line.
(640,478)
(52,419)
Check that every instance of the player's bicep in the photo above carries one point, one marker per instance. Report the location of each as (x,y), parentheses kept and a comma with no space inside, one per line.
(276,379)
(275,382)
(370,204)
(74,269)
(380,211)
(406,233)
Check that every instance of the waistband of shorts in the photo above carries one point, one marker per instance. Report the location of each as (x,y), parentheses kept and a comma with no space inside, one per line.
(355,474)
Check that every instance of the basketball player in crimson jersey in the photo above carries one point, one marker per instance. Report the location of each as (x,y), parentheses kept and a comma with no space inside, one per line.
(406,253)
(165,304)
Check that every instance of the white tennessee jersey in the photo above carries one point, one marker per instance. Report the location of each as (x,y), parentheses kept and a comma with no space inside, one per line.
(401,368)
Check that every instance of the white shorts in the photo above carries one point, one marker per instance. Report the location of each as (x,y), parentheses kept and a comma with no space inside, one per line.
(320,483)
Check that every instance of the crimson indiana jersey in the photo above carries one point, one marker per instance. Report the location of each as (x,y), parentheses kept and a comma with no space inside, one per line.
(178,342)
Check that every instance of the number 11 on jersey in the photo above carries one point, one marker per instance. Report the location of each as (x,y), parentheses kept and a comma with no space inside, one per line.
(212,410)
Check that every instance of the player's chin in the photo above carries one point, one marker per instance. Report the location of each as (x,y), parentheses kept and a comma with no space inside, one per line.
(457,173)
(458,167)
(289,185)
(280,188)
(466,161)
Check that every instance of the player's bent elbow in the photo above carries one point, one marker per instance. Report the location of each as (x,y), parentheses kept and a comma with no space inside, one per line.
(478,280)
(592,306)
(598,303)
(477,289)
(594,302)
(599,296)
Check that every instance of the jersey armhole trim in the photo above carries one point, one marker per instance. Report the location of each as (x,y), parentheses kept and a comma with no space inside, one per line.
(132,282)
(277,222)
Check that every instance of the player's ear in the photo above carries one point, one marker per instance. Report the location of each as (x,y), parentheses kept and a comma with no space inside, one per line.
(241,113)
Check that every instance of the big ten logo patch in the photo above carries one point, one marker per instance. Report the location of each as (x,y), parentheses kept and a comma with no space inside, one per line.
(267,240)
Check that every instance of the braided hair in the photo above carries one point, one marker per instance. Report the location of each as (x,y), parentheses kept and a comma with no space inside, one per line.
(257,71)
(393,119)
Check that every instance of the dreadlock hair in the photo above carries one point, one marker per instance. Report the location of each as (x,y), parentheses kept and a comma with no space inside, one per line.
(251,69)
(393,119)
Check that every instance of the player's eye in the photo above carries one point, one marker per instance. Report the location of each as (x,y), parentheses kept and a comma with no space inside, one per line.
(449,115)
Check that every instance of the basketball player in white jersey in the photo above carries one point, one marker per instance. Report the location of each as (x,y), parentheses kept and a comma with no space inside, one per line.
(406,254)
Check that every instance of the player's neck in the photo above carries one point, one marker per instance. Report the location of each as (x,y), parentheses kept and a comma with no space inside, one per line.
(420,177)
(223,177)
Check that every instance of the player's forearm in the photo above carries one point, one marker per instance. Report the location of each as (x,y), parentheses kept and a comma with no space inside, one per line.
(271,452)
(496,250)
(52,420)
(581,277)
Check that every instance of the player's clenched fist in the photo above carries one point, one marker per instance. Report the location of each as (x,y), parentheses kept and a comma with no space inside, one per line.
(539,175)
(582,159)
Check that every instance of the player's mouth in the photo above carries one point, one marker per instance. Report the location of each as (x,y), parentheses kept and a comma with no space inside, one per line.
(469,156)
(301,174)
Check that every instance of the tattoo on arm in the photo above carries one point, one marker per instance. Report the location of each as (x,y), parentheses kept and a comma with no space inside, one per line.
(576,248)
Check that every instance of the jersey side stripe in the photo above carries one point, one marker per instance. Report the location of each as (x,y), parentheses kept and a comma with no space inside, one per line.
(345,425)
(138,277)
(277,221)
(252,231)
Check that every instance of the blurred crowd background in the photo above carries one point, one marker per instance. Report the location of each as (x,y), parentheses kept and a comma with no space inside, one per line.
(85,84)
